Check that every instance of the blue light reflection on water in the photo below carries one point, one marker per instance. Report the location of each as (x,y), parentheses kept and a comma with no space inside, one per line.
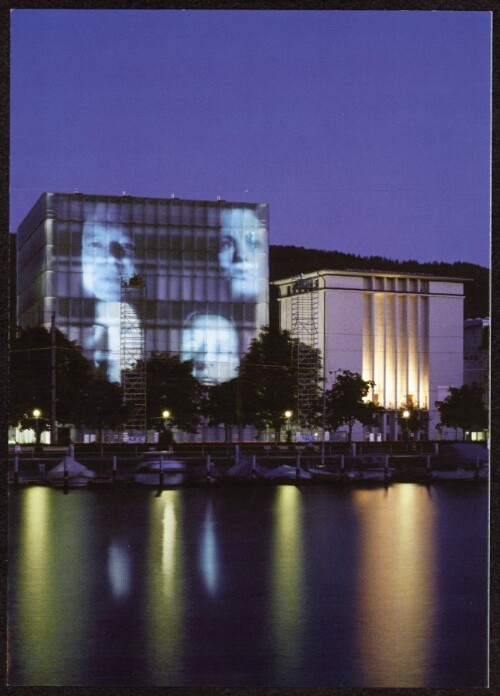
(260,586)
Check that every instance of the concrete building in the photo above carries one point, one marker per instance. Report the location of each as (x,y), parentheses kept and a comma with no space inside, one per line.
(403,331)
(476,353)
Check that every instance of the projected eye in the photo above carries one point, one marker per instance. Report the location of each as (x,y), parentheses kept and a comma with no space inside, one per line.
(226,243)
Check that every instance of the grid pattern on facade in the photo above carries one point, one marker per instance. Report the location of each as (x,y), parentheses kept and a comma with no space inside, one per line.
(305,330)
(132,351)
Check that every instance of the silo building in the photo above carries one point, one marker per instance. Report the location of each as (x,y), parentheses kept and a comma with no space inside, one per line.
(402,331)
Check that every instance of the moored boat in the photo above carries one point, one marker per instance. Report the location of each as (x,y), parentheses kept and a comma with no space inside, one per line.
(461,473)
(160,469)
(70,473)
(320,473)
(371,474)
(284,472)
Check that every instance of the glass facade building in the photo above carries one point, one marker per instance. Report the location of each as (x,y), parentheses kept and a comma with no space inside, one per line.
(204,263)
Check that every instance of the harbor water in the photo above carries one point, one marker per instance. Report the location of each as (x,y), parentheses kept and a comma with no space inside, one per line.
(271,586)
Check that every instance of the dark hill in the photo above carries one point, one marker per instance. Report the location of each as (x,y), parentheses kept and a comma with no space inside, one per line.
(288,261)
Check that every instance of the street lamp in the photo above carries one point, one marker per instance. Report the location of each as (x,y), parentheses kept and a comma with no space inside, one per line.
(166,436)
(288,415)
(406,415)
(36,414)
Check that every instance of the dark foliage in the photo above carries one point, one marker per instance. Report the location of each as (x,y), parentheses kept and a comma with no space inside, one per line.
(286,261)
(171,386)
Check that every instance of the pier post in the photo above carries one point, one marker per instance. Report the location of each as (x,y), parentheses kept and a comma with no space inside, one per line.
(428,463)
(342,462)
(16,469)
(41,469)
(254,465)
(160,481)
(297,465)
(236,454)
(353,449)
(386,466)
(207,470)
(72,451)
(436,448)
(113,473)
(65,467)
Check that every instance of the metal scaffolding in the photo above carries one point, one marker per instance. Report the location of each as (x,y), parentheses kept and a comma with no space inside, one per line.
(305,330)
(132,351)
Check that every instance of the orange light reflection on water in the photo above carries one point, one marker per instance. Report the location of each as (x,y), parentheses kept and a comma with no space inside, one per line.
(397,585)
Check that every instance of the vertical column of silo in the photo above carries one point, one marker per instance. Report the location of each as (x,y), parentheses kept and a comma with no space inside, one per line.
(390,352)
(402,350)
(424,352)
(368,339)
(379,371)
(413,381)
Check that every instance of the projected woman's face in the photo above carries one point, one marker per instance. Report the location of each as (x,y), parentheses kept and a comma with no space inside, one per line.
(107,257)
(242,256)
(212,343)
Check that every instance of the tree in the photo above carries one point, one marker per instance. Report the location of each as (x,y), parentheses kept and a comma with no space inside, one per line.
(412,420)
(82,397)
(345,402)
(269,380)
(464,408)
(224,405)
(30,377)
(171,385)
(104,406)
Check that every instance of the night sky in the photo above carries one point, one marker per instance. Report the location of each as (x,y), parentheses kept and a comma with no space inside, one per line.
(366,132)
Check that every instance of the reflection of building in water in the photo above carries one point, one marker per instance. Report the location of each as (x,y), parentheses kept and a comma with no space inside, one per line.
(165,593)
(204,257)
(52,628)
(403,331)
(208,552)
(396,586)
(288,592)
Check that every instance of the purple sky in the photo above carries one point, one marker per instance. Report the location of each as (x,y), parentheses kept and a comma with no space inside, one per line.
(366,132)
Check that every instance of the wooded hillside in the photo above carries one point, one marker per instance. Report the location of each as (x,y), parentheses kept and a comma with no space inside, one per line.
(286,261)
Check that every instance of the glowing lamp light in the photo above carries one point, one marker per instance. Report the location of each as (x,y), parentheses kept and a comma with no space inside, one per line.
(166,414)
(37,413)
(288,414)
(406,414)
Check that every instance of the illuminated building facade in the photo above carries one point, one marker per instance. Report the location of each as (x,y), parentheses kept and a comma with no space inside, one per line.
(476,354)
(403,331)
(204,264)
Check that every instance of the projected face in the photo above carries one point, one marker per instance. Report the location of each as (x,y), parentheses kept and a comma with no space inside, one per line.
(242,252)
(107,253)
(211,341)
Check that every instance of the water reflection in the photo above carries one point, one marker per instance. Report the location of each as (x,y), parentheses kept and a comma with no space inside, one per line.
(165,596)
(397,585)
(119,569)
(208,554)
(261,587)
(287,580)
(53,592)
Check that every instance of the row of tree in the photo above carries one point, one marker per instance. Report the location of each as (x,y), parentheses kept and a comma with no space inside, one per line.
(266,387)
